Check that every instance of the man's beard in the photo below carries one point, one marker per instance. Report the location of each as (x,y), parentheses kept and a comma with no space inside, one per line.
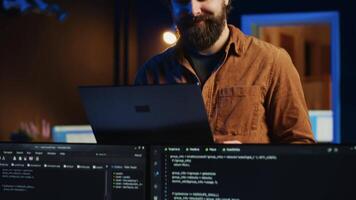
(201,36)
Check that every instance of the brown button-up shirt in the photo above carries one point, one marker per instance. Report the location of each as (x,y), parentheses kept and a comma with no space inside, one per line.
(254,96)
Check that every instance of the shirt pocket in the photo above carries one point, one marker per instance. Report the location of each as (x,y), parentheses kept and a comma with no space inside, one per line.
(238,110)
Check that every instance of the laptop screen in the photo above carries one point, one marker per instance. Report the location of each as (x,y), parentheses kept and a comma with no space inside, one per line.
(155,114)
(73,134)
(253,172)
(71,172)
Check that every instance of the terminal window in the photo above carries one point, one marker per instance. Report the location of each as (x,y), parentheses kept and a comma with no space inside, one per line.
(72,172)
(253,172)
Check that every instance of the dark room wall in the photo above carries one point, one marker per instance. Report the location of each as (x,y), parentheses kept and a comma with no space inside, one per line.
(43,61)
(152,21)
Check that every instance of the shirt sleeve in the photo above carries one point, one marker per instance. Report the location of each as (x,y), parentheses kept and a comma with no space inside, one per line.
(287,113)
(141,77)
(149,73)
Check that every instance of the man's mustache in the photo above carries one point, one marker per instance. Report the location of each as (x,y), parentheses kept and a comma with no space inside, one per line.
(188,21)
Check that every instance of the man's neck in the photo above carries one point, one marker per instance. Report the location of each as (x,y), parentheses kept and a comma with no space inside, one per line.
(219,44)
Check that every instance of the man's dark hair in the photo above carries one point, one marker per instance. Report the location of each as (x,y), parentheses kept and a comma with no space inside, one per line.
(228,7)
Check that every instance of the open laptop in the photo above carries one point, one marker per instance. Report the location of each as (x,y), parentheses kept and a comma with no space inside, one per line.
(159,114)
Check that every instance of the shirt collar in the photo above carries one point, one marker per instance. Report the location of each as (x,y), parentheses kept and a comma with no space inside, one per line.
(236,41)
(235,44)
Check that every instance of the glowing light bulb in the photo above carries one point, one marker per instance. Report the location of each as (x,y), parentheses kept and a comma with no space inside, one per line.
(169,37)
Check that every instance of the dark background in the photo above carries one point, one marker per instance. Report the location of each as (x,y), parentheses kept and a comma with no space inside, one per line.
(43,61)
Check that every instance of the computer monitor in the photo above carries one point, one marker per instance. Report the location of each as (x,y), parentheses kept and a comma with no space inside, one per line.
(322,125)
(71,172)
(247,172)
(73,134)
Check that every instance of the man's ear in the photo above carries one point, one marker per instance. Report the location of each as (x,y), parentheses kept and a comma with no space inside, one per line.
(227,2)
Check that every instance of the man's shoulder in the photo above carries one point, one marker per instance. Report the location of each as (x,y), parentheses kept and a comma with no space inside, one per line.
(251,45)
(148,72)
(269,55)
(264,48)
(160,60)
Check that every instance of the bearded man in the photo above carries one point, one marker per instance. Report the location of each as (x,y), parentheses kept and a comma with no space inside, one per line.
(251,89)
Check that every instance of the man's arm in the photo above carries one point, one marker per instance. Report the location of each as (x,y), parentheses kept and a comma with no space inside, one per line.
(141,76)
(148,74)
(287,113)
